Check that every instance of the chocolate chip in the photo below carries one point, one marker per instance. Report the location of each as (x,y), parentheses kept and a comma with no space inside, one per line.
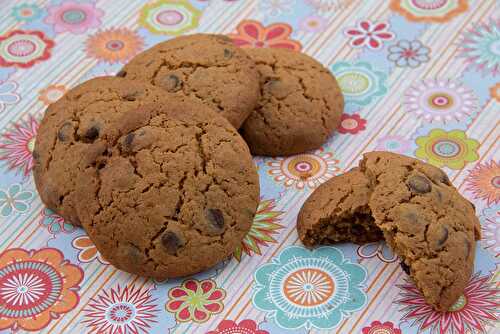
(129,139)
(172,242)
(121,74)
(223,38)
(419,184)
(132,96)
(357,230)
(35,155)
(405,267)
(64,131)
(228,54)
(92,133)
(443,235)
(171,82)
(216,220)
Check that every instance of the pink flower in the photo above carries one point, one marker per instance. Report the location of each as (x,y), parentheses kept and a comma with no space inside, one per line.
(351,124)
(246,326)
(369,34)
(378,327)
(74,17)
(195,300)
(16,146)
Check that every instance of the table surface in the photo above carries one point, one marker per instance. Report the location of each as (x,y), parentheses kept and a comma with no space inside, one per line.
(421,78)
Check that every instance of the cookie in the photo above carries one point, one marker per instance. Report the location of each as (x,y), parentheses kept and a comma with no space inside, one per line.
(205,67)
(422,217)
(300,106)
(338,211)
(74,122)
(168,191)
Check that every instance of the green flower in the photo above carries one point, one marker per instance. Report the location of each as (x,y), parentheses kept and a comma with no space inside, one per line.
(14,199)
(451,149)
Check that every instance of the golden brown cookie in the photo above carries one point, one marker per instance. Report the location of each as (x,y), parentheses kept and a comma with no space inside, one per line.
(71,124)
(423,218)
(300,106)
(205,67)
(168,191)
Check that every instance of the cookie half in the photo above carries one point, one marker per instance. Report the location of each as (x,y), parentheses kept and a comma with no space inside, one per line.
(300,106)
(71,125)
(422,217)
(168,191)
(206,67)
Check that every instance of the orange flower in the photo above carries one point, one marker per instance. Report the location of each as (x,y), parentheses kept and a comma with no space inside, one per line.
(431,12)
(114,45)
(495,92)
(87,251)
(52,93)
(252,34)
(35,287)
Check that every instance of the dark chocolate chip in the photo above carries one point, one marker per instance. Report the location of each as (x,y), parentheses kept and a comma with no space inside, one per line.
(172,242)
(443,235)
(64,131)
(419,184)
(171,82)
(35,155)
(443,177)
(132,96)
(121,74)
(216,220)
(357,230)
(405,267)
(92,133)
(129,139)
(228,54)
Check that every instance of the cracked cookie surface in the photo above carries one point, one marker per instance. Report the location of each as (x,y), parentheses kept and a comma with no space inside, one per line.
(170,191)
(71,124)
(300,105)
(206,67)
(422,217)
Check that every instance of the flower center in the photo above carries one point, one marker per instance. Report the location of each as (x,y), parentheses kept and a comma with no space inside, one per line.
(73,16)
(259,44)
(26,12)
(22,289)
(115,45)
(21,48)
(349,124)
(122,312)
(495,47)
(459,304)
(303,166)
(446,148)
(409,53)
(354,83)
(169,17)
(31,144)
(313,23)
(441,101)
(495,182)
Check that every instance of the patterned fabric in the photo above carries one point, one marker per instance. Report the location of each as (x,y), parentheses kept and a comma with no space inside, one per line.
(420,78)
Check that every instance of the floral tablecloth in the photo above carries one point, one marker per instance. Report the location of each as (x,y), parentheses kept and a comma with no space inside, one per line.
(420,77)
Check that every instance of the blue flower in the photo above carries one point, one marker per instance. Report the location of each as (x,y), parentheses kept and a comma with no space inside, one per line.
(302,288)
(26,12)
(54,223)
(14,199)
(8,95)
(359,82)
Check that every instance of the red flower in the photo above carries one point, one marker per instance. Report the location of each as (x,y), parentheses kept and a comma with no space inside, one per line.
(351,124)
(23,49)
(370,34)
(246,326)
(252,34)
(378,327)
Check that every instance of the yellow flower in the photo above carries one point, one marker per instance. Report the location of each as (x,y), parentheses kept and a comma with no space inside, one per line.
(169,17)
(452,149)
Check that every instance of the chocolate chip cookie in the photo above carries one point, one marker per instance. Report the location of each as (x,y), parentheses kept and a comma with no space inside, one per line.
(300,106)
(72,124)
(168,191)
(423,218)
(205,67)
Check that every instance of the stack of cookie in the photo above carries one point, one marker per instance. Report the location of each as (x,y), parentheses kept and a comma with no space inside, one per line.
(151,164)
